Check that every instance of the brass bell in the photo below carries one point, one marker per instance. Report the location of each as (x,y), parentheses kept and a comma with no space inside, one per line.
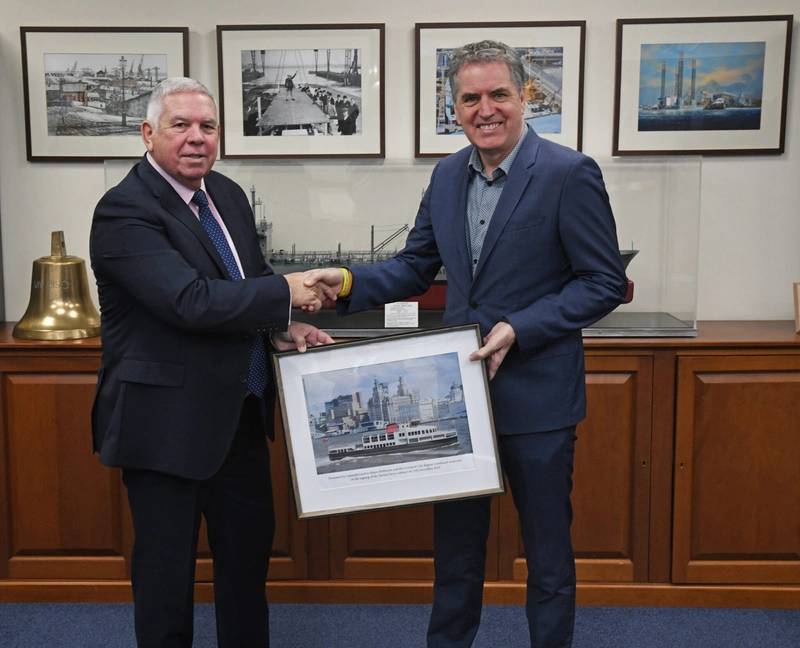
(60,307)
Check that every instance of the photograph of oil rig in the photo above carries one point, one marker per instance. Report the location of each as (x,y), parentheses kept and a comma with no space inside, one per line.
(301,92)
(543,84)
(100,94)
(701,86)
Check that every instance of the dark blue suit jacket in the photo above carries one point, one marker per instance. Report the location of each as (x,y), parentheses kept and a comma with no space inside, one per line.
(550,266)
(177,332)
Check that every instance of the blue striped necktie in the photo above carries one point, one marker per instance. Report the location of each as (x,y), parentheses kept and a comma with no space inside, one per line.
(257,373)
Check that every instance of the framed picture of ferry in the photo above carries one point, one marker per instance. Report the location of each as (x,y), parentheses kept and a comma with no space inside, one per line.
(86,89)
(301,91)
(552,53)
(711,86)
(392,421)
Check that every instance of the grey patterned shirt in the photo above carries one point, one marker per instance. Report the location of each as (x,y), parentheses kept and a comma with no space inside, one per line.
(483,194)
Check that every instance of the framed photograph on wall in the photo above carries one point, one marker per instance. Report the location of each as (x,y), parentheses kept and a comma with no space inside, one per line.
(392,421)
(552,53)
(86,89)
(712,86)
(301,91)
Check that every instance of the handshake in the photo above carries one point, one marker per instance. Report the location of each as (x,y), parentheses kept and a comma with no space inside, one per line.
(314,289)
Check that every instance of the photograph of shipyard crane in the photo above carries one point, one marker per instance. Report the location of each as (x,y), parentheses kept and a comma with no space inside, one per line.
(100,94)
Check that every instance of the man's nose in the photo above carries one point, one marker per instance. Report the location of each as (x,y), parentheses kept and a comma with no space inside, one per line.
(196,134)
(485,106)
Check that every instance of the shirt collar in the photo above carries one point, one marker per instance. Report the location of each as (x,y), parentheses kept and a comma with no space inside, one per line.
(186,193)
(475,163)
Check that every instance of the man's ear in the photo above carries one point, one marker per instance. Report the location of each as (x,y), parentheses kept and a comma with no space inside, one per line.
(147,135)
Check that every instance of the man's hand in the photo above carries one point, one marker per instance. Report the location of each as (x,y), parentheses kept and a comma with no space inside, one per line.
(307,297)
(299,336)
(495,347)
(327,280)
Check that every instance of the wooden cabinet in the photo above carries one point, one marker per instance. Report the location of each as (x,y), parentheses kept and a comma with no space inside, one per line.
(686,489)
(64,511)
(611,498)
(737,470)
(611,478)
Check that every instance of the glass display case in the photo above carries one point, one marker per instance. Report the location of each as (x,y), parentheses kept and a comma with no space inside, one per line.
(316,214)
(656,203)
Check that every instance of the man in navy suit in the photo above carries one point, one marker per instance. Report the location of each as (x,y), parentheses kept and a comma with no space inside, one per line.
(525,231)
(184,397)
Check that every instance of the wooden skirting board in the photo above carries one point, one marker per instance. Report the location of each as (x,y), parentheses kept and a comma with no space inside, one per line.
(421,592)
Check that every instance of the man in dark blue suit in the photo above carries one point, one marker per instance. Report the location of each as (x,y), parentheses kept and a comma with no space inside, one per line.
(184,397)
(525,230)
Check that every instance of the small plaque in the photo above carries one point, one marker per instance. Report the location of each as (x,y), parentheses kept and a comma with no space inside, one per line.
(402,314)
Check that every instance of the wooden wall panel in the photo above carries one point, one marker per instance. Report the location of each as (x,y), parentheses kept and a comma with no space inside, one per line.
(393,544)
(289,549)
(737,475)
(69,514)
(612,476)
(64,509)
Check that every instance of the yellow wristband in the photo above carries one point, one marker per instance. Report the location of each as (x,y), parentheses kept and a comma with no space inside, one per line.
(347,283)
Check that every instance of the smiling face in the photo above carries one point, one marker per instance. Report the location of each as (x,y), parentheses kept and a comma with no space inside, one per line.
(489,108)
(185,142)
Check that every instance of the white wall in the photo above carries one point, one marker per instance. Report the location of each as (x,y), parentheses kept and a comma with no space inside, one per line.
(750,224)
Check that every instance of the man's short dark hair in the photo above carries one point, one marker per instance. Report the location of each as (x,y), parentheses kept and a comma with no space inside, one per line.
(485,51)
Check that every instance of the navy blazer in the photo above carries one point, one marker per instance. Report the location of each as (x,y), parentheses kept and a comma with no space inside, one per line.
(177,332)
(549,266)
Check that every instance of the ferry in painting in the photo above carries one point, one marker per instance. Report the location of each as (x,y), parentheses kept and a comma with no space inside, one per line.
(403,437)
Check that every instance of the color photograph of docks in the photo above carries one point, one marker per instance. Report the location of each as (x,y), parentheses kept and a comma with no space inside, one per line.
(306,92)
(542,90)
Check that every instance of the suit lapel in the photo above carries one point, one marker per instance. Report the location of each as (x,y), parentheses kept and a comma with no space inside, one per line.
(173,204)
(519,177)
(459,217)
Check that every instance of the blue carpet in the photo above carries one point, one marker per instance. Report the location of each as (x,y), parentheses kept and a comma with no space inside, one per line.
(60,625)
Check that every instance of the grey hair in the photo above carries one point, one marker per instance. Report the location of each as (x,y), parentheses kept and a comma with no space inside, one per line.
(167,87)
(486,51)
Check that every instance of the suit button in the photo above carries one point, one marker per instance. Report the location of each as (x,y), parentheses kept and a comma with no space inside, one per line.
(473,304)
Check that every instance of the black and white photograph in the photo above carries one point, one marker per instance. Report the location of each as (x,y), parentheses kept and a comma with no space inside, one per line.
(301,92)
(552,53)
(392,421)
(86,89)
(100,94)
(387,413)
(711,86)
(317,87)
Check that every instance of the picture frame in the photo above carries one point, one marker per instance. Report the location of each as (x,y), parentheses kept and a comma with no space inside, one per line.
(796,293)
(707,86)
(553,52)
(391,421)
(321,82)
(86,88)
